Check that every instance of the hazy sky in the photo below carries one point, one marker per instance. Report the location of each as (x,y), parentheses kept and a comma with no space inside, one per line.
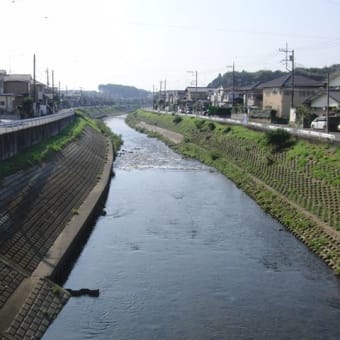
(141,42)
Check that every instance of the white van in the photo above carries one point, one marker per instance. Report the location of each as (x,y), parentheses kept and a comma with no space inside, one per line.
(319,123)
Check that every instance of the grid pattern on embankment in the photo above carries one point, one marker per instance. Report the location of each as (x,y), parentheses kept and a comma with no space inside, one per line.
(298,182)
(35,206)
(40,308)
(314,214)
(41,204)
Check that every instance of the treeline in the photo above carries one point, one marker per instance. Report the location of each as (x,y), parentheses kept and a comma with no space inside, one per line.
(245,78)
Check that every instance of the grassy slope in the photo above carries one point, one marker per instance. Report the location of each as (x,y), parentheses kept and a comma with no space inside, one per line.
(300,186)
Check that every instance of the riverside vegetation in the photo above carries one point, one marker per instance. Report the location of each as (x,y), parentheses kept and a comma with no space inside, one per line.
(295,181)
(43,151)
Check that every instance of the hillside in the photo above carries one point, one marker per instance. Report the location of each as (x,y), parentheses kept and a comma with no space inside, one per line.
(115,91)
(245,78)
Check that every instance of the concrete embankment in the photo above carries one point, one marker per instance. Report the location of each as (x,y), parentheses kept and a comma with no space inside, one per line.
(45,213)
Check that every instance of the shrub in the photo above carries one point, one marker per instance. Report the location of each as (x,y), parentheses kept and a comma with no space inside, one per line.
(211,126)
(199,124)
(277,138)
(177,119)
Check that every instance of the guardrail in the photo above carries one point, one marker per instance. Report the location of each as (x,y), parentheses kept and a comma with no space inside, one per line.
(7,127)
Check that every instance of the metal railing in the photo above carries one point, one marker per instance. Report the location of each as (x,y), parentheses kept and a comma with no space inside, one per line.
(7,127)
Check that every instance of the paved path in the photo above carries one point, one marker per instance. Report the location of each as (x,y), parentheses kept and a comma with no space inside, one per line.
(173,136)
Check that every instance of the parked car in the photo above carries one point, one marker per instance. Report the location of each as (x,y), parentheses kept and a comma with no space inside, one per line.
(319,123)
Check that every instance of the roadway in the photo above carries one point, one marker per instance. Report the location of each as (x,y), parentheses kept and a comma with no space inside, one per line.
(8,126)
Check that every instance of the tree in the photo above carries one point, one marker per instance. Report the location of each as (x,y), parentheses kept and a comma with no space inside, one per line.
(304,116)
(27,107)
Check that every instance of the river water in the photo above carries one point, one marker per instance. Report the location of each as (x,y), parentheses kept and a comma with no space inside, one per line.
(184,254)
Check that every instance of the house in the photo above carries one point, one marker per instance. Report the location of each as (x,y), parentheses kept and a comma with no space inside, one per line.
(7,104)
(22,86)
(318,102)
(18,84)
(175,100)
(198,93)
(252,96)
(198,98)
(2,77)
(278,94)
(334,80)
(217,97)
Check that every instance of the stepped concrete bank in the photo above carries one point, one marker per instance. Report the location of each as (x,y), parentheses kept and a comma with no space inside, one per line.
(45,214)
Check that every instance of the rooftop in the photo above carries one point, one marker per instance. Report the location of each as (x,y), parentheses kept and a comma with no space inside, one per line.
(286,81)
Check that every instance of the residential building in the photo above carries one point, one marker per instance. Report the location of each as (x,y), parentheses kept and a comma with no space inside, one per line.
(252,96)
(334,80)
(278,94)
(21,86)
(219,97)
(198,98)
(2,77)
(7,103)
(175,100)
(318,103)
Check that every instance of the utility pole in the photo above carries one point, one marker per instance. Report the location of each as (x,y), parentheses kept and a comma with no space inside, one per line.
(327,111)
(195,82)
(292,70)
(233,98)
(153,97)
(233,83)
(293,75)
(160,94)
(52,91)
(34,86)
(47,78)
(285,60)
(165,93)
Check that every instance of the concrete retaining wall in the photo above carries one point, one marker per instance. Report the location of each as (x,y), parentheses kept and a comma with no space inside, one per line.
(18,136)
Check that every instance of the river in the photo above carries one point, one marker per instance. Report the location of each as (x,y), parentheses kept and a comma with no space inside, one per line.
(184,254)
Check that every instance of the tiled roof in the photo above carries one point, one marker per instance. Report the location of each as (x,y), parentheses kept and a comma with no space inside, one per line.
(18,77)
(200,89)
(332,94)
(286,81)
(335,95)
(252,87)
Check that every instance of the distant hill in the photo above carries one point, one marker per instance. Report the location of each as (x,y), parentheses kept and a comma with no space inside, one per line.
(115,91)
(245,78)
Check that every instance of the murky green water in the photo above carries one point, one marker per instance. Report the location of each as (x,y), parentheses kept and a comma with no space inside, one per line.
(183,254)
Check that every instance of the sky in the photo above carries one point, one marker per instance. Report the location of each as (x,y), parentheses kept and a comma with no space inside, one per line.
(144,42)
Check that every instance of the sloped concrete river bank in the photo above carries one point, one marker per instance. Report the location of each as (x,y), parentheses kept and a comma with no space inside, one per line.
(182,253)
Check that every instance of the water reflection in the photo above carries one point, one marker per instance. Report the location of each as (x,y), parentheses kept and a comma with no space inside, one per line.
(183,254)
